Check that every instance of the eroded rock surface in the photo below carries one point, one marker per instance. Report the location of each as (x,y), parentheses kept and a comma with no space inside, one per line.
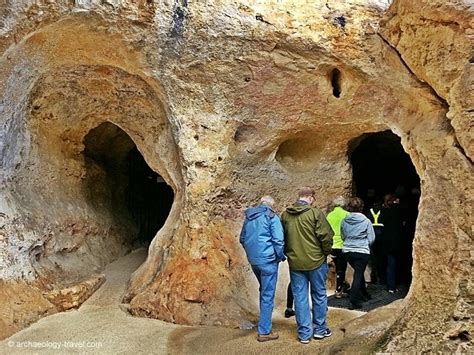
(227,101)
(21,305)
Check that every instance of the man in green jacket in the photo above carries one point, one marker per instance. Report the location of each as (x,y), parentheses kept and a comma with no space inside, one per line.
(308,241)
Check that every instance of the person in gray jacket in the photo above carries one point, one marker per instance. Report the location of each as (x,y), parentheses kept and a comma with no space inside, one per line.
(358,234)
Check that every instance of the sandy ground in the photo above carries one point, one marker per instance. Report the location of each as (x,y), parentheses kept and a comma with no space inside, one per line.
(102,325)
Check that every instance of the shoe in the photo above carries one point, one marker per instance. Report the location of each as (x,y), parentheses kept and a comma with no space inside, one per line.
(327,333)
(341,293)
(303,341)
(367,297)
(346,287)
(392,291)
(267,337)
(289,313)
(355,306)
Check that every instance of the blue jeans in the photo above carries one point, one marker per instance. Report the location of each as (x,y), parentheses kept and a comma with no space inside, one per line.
(267,278)
(300,280)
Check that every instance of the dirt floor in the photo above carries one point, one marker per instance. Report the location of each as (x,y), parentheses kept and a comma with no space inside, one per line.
(103,325)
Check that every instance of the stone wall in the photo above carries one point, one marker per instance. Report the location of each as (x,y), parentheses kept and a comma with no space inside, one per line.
(228,101)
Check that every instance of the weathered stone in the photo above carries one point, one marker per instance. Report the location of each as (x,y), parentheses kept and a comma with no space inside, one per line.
(20,305)
(368,332)
(73,296)
(227,101)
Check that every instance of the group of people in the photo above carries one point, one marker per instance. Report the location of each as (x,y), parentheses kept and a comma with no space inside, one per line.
(394,225)
(305,237)
(353,237)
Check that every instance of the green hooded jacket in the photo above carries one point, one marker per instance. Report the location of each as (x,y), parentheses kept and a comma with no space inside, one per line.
(308,236)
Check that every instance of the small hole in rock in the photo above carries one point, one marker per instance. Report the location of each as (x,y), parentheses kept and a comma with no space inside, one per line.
(340,21)
(462,335)
(244,133)
(336,82)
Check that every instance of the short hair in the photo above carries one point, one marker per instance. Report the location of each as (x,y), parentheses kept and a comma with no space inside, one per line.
(306,192)
(267,201)
(355,205)
(339,201)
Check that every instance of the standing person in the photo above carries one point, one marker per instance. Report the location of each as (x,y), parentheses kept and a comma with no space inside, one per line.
(308,241)
(377,255)
(335,217)
(358,234)
(392,233)
(262,239)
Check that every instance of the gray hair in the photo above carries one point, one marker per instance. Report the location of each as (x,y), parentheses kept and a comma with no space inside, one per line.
(339,201)
(267,201)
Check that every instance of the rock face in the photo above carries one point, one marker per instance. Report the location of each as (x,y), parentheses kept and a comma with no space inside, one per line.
(22,304)
(434,39)
(228,101)
(73,296)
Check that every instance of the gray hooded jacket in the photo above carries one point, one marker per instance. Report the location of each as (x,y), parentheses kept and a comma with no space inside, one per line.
(357,233)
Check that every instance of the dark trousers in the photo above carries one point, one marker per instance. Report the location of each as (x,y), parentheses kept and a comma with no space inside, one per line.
(391,272)
(289,297)
(341,267)
(378,265)
(377,261)
(359,262)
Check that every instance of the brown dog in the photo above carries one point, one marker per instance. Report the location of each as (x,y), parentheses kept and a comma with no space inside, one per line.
(331,283)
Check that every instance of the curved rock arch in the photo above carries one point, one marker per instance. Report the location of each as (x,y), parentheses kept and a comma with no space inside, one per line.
(62,97)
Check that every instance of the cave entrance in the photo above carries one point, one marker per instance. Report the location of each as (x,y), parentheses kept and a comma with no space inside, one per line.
(122,187)
(381,168)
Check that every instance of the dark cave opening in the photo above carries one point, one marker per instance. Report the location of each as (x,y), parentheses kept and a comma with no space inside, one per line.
(120,184)
(385,178)
(336,82)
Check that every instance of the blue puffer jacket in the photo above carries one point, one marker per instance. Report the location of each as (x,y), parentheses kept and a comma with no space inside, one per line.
(262,236)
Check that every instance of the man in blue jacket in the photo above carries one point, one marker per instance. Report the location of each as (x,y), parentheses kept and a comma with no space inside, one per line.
(262,239)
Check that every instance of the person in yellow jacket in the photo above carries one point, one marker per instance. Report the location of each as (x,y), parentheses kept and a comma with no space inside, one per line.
(377,260)
(335,217)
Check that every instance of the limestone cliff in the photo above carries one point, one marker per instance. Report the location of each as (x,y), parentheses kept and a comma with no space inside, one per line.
(218,97)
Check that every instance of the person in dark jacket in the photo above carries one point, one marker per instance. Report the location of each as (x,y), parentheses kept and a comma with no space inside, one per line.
(358,234)
(262,239)
(377,261)
(308,241)
(391,237)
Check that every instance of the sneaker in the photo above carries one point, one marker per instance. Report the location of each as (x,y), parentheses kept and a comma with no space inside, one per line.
(327,333)
(267,337)
(303,341)
(289,313)
(340,294)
